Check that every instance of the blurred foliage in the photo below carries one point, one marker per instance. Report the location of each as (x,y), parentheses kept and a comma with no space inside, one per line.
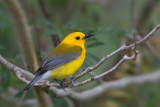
(110,20)
(5,77)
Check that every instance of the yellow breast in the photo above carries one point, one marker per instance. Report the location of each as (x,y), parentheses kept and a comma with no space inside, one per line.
(68,69)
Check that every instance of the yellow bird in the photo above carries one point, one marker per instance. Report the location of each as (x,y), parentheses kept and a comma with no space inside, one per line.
(64,60)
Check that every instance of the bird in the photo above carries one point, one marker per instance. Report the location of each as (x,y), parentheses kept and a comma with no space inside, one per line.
(64,60)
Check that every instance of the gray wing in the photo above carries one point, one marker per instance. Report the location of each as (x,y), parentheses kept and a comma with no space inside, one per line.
(52,62)
(57,60)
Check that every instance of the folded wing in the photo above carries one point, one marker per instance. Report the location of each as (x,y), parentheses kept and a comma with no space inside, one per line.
(58,57)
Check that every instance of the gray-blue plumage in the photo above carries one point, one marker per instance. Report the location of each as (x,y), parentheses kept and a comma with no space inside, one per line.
(57,60)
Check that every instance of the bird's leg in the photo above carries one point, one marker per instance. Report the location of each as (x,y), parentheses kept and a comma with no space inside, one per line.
(61,84)
(72,79)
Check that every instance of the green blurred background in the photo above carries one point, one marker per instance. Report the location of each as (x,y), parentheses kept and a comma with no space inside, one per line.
(111,21)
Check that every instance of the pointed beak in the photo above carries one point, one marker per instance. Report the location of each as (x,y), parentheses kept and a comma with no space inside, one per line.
(88,36)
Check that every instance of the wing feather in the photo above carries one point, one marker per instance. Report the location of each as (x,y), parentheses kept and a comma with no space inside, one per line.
(60,57)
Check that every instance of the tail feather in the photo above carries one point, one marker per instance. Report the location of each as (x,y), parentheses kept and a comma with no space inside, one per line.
(38,77)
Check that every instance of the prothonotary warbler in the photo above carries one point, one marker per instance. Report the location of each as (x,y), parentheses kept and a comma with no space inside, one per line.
(64,60)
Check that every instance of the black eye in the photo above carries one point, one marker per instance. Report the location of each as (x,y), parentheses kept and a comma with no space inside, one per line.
(77,37)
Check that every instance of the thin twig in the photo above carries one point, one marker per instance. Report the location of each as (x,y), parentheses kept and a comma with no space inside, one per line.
(107,72)
(94,75)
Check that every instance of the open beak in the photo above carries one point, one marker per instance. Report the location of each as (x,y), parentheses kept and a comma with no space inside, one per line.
(88,36)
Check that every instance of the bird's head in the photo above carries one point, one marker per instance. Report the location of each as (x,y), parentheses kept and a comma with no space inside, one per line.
(76,38)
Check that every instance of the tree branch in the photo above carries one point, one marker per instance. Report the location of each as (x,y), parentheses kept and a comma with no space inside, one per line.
(107,86)
(107,72)
(21,74)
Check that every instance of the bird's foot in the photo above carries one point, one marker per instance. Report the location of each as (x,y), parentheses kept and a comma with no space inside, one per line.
(72,79)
